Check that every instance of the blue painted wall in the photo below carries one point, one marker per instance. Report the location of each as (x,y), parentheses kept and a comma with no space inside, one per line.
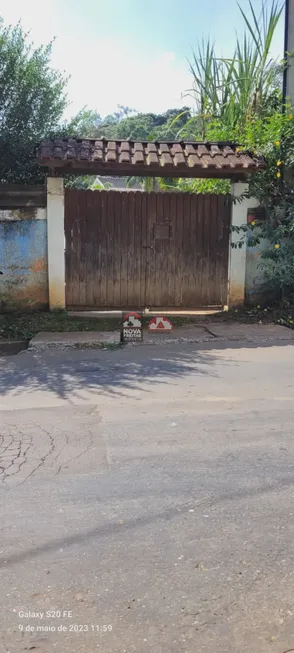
(23,261)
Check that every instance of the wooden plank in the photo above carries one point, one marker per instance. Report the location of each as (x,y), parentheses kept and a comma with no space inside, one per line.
(22,188)
(193,251)
(150,272)
(96,262)
(70,245)
(103,249)
(179,250)
(90,263)
(218,211)
(159,258)
(82,247)
(21,196)
(117,258)
(110,249)
(186,259)
(77,253)
(199,251)
(87,259)
(209,229)
(167,253)
(173,250)
(137,268)
(206,250)
(124,248)
(215,248)
(130,218)
(144,249)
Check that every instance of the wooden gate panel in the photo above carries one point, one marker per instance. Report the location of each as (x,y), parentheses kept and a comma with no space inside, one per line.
(132,249)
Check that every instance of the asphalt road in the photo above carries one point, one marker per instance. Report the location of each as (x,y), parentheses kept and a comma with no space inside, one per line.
(147,500)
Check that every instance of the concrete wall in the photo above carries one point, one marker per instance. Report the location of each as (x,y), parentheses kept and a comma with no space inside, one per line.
(23,259)
(247,283)
(238,256)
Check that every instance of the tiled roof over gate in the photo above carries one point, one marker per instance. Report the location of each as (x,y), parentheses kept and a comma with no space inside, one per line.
(168,159)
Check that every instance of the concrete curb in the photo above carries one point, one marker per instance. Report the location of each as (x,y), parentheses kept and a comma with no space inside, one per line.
(55,341)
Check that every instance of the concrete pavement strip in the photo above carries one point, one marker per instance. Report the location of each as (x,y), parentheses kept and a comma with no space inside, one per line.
(209,332)
(249,332)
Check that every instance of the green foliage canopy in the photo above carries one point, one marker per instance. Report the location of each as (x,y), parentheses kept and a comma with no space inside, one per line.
(124,124)
(32,101)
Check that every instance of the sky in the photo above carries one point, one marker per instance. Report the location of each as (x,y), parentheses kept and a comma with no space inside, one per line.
(130,52)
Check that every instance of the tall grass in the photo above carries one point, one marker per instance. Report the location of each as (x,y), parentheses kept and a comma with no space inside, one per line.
(234,89)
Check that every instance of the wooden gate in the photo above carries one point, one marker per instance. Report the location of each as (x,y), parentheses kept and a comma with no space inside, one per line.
(135,250)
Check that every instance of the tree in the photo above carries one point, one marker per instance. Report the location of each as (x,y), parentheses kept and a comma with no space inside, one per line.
(123,124)
(32,101)
(148,184)
(85,124)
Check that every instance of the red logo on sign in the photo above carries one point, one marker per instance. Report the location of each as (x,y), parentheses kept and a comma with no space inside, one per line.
(160,324)
(132,320)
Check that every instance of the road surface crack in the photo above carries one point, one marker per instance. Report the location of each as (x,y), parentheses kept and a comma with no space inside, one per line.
(46,455)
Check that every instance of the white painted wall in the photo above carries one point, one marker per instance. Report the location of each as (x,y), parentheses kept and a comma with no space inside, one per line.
(55,240)
(237,265)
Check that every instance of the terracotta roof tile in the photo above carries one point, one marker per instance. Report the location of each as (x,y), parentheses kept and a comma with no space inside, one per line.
(124,157)
(150,158)
(138,157)
(137,147)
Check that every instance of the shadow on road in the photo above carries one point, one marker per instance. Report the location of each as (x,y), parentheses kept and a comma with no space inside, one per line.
(115,372)
(110,372)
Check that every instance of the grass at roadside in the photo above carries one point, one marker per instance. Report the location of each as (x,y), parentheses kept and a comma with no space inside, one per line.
(24,326)
(276,314)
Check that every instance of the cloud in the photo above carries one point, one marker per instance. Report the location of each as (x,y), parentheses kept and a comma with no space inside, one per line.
(108,72)
(104,70)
